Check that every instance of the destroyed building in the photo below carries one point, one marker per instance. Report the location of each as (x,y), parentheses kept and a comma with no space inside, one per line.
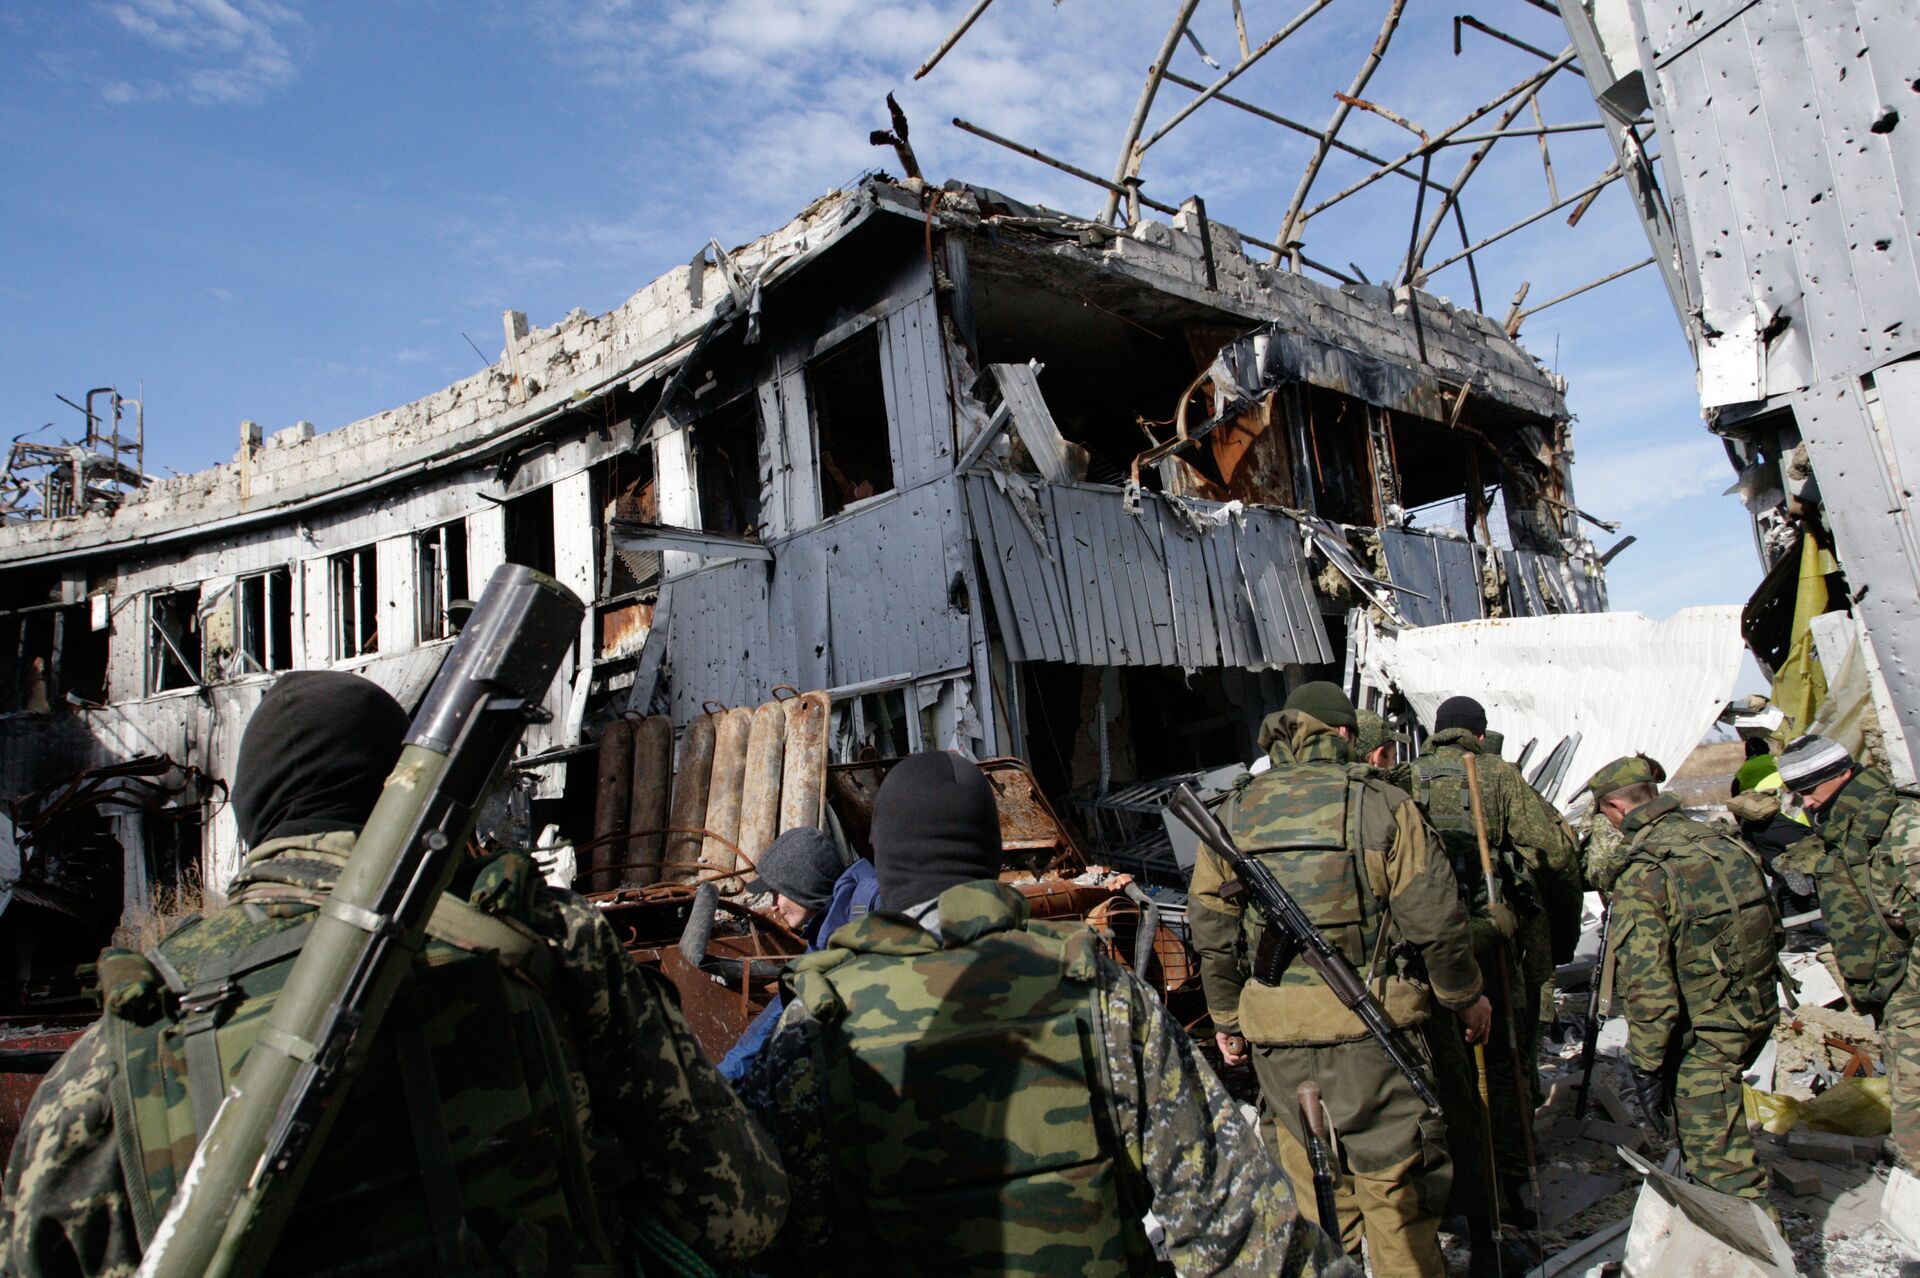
(996,477)
(1780,217)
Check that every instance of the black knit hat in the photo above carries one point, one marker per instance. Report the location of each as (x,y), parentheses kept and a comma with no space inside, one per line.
(1324,701)
(801,865)
(935,826)
(315,755)
(1460,712)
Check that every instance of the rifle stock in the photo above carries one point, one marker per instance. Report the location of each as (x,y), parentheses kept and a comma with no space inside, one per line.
(1284,912)
(252,1162)
(1590,1038)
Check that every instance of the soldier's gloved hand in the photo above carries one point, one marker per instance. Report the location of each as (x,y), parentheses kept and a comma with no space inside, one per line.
(1503,918)
(1650,1089)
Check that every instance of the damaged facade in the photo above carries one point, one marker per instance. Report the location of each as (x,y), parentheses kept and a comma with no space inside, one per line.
(995,477)
(1785,231)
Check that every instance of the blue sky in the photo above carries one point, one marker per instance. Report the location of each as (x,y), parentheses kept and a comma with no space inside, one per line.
(276,211)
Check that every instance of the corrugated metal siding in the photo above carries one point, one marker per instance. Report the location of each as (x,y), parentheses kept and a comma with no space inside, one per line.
(1099,586)
(863,597)
(913,371)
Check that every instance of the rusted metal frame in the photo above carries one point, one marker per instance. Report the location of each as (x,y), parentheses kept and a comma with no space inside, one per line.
(953,38)
(1472,165)
(1533,81)
(1129,158)
(1305,130)
(1611,176)
(1587,287)
(1525,131)
(1240,28)
(1213,90)
(1546,156)
(1385,114)
(1291,223)
(1468,20)
(1473,272)
(1117,189)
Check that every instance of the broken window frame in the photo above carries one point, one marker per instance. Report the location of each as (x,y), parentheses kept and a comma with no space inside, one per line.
(927,702)
(437,553)
(275,643)
(819,413)
(174,654)
(353,598)
(709,457)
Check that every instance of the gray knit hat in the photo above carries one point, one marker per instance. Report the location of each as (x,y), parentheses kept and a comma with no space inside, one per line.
(801,865)
(1812,761)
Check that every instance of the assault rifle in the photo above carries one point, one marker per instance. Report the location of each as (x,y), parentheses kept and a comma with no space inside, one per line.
(1301,938)
(252,1161)
(1590,1040)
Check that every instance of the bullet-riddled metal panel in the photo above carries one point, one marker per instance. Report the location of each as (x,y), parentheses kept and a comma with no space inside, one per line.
(913,373)
(719,641)
(1459,575)
(1791,173)
(891,612)
(1411,565)
(1285,614)
(798,609)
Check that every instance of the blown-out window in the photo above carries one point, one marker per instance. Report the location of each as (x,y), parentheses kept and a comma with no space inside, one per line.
(355,586)
(440,577)
(849,404)
(173,640)
(263,623)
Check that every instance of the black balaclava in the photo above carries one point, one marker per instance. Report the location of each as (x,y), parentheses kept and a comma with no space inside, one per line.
(315,755)
(935,826)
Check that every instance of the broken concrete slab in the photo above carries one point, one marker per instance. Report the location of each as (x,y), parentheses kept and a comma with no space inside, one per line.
(1607,1097)
(1598,1253)
(1759,1075)
(1825,1147)
(1815,983)
(1618,1134)
(1796,1178)
(1565,1192)
(1900,1208)
(1680,1228)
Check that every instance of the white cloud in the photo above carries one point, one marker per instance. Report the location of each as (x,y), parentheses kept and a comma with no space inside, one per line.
(1630,482)
(232,50)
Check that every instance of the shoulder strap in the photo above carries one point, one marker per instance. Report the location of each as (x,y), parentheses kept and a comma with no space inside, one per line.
(126,1134)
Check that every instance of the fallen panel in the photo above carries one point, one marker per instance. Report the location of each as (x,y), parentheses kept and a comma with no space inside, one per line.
(1621,682)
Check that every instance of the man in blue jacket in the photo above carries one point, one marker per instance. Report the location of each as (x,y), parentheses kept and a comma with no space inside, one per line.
(814,892)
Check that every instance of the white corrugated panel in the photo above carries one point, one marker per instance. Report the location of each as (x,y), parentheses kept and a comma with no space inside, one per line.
(1622,681)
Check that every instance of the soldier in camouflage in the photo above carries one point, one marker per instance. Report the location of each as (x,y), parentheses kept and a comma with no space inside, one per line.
(1695,940)
(1864,859)
(1539,919)
(1375,743)
(534,1104)
(1353,851)
(958,1088)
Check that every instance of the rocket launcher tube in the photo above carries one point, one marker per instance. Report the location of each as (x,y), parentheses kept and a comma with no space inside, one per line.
(250,1166)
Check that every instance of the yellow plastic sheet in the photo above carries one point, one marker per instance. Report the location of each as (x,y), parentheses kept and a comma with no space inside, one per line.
(1851,1107)
(1800,684)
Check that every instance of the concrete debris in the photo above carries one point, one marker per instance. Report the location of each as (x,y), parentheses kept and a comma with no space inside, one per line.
(1617,1134)
(1815,984)
(1795,1178)
(1900,1209)
(1682,1228)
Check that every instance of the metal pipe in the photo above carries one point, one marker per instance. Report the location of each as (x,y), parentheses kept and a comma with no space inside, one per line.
(1290,224)
(1613,175)
(1468,20)
(1305,130)
(1572,293)
(933,60)
(1125,164)
(1526,131)
(1472,165)
(1213,90)
(1531,82)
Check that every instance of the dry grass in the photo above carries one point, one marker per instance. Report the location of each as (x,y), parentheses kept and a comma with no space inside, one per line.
(166,906)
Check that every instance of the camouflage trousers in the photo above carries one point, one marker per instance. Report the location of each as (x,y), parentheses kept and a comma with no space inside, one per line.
(1709,1115)
(1393,1164)
(1900,1035)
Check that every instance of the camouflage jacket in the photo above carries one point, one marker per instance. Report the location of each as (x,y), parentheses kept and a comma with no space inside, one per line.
(1603,851)
(1532,847)
(1387,893)
(1106,1106)
(1694,933)
(659,1124)
(1865,860)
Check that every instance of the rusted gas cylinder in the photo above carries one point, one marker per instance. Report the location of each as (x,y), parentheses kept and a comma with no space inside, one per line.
(687,810)
(803,781)
(647,813)
(760,790)
(724,792)
(612,806)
